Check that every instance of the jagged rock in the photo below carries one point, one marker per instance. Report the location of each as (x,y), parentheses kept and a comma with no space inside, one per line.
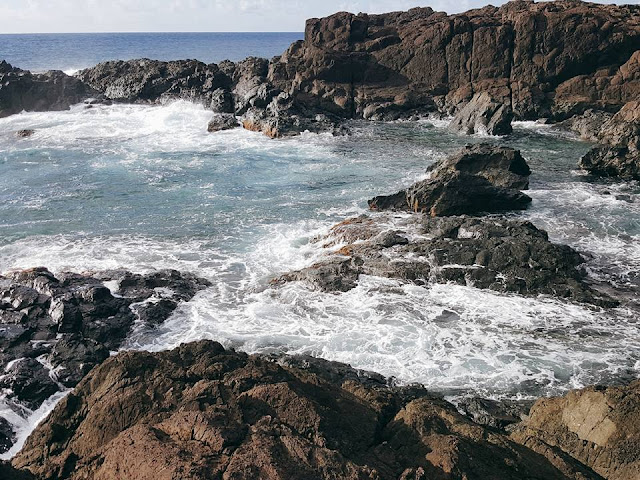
(29,382)
(588,124)
(493,253)
(7,472)
(72,321)
(483,115)
(600,427)
(203,411)
(619,152)
(21,90)
(145,80)
(479,178)
(7,436)
(222,121)
(493,413)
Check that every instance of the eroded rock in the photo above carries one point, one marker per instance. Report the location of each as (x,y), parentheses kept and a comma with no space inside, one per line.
(483,115)
(221,122)
(203,411)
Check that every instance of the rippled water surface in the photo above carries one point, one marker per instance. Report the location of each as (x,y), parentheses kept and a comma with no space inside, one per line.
(145,187)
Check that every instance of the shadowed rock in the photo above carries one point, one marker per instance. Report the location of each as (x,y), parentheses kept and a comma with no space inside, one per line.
(201,411)
(222,121)
(477,179)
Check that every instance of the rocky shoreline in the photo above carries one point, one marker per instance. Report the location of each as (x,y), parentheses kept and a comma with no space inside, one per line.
(203,411)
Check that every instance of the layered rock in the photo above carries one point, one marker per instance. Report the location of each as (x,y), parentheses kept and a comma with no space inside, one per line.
(598,426)
(483,115)
(55,329)
(618,155)
(478,178)
(21,90)
(201,411)
(493,253)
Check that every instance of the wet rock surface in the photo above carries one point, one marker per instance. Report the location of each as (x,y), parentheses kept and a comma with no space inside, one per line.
(55,328)
(598,426)
(493,253)
(222,121)
(618,154)
(22,90)
(201,411)
(478,179)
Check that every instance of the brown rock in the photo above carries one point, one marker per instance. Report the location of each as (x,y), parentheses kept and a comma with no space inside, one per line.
(600,427)
(203,412)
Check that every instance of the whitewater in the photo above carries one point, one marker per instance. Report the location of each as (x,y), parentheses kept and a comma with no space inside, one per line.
(146,187)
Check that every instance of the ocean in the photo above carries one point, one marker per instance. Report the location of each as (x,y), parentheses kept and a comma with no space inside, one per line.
(146,187)
(71,52)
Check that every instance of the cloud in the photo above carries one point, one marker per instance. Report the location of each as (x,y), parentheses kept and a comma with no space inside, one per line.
(19,16)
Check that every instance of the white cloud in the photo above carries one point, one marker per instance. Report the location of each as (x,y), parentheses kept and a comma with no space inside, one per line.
(18,16)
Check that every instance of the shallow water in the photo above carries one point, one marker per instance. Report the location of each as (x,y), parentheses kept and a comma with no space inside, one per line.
(144,187)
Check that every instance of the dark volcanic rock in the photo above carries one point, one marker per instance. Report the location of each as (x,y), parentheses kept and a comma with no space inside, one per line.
(222,121)
(147,80)
(7,472)
(21,90)
(7,436)
(598,426)
(493,413)
(483,115)
(498,254)
(204,412)
(479,178)
(72,321)
(619,152)
(25,133)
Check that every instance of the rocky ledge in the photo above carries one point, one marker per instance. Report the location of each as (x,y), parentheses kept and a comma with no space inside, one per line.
(55,328)
(201,411)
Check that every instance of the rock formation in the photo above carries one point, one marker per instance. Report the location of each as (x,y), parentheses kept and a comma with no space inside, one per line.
(498,254)
(478,179)
(55,329)
(222,121)
(483,115)
(201,411)
(619,152)
(598,426)
(21,90)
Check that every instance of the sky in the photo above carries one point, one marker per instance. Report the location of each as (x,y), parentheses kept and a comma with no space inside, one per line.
(54,16)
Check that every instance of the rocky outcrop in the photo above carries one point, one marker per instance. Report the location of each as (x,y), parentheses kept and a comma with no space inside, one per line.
(21,90)
(598,426)
(483,115)
(201,411)
(55,329)
(222,121)
(478,178)
(147,80)
(618,155)
(492,253)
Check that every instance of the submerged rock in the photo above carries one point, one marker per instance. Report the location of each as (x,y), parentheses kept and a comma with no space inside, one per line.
(483,115)
(493,253)
(619,152)
(600,427)
(55,328)
(478,178)
(25,133)
(201,411)
(22,90)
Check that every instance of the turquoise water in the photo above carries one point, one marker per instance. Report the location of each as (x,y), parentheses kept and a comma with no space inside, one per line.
(144,187)
(74,51)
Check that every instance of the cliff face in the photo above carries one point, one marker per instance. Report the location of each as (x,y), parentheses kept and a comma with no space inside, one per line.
(545,59)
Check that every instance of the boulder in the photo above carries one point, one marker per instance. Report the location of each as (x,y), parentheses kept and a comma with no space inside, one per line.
(29,382)
(201,411)
(25,133)
(598,426)
(477,179)
(483,115)
(493,253)
(222,121)
(618,154)
(21,90)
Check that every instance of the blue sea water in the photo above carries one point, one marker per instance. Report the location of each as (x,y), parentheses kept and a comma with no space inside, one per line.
(73,51)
